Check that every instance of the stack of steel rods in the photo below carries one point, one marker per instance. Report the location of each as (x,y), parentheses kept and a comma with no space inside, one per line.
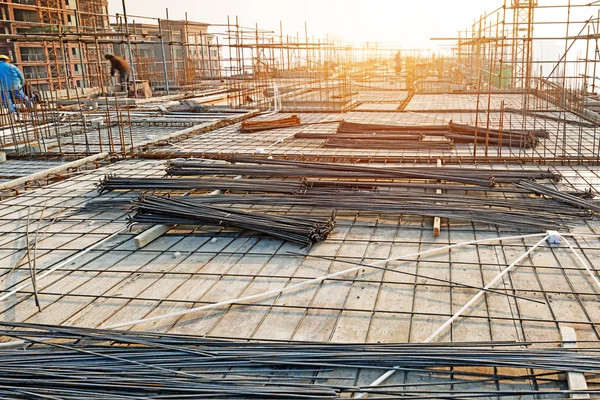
(499,175)
(372,136)
(70,362)
(320,170)
(533,217)
(352,127)
(366,197)
(324,190)
(379,136)
(461,128)
(368,142)
(362,133)
(408,135)
(566,198)
(302,229)
(285,168)
(364,185)
(257,126)
(355,135)
(112,182)
(523,142)
(466,134)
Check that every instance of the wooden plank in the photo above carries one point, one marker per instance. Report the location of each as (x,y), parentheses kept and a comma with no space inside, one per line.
(576,380)
(149,235)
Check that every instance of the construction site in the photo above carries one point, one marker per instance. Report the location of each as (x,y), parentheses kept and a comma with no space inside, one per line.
(255,213)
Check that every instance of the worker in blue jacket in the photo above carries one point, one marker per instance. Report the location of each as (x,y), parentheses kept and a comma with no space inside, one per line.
(11,83)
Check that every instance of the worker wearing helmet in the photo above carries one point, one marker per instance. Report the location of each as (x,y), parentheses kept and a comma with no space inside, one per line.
(11,83)
(12,78)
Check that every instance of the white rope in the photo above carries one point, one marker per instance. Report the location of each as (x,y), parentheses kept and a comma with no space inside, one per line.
(293,287)
(457,314)
(310,282)
(583,263)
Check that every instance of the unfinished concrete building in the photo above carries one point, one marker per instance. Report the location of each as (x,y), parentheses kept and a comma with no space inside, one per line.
(179,55)
(52,65)
(303,218)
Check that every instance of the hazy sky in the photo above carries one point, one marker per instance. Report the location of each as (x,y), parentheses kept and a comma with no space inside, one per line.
(410,22)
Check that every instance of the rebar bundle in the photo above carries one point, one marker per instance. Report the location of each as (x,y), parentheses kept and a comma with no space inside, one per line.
(379,197)
(283,168)
(566,198)
(302,185)
(369,196)
(257,126)
(113,182)
(386,144)
(460,133)
(374,136)
(73,363)
(526,216)
(321,170)
(357,128)
(301,229)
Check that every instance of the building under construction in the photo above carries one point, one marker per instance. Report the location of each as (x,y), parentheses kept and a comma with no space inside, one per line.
(266,215)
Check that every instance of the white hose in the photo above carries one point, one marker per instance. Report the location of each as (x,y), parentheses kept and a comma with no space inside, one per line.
(320,279)
(457,314)
(311,281)
(289,288)
(583,263)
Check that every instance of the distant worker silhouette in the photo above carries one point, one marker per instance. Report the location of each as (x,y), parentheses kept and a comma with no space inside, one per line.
(119,64)
(398,62)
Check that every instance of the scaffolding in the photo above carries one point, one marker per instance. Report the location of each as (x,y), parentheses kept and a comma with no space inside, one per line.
(248,67)
(428,159)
